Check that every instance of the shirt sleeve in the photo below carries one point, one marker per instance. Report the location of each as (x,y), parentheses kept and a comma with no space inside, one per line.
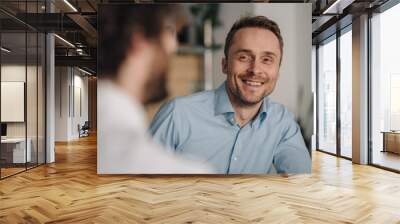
(292,155)
(163,127)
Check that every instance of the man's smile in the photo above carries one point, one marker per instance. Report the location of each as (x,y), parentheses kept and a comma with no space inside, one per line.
(252,82)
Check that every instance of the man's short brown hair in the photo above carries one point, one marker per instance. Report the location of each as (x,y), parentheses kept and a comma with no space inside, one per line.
(118,23)
(254,21)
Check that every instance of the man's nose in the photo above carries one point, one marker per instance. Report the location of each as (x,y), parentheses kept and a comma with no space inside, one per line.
(255,67)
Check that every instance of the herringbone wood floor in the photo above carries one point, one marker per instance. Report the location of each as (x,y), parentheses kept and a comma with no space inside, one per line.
(70,191)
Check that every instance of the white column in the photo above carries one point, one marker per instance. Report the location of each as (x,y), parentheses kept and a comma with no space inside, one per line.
(50,92)
(360,90)
(50,99)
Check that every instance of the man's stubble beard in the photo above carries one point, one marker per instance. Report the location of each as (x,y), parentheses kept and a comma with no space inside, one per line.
(240,98)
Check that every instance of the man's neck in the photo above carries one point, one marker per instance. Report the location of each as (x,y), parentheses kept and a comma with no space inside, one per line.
(131,76)
(244,113)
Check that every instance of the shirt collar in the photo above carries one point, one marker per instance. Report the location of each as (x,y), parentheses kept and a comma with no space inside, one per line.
(263,112)
(264,106)
(223,104)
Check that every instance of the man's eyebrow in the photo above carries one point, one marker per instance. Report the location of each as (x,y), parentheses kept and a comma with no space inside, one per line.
(242,51)
(268,53)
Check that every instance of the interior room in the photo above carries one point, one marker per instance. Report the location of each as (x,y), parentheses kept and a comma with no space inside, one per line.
(344,96)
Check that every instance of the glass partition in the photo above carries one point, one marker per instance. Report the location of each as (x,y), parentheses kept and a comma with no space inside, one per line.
(23,91)
(32,95)
(14,153)
(346,93)
(32,90)
(327,96)
(385,89)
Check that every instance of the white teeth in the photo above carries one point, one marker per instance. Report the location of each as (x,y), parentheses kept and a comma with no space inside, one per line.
(252,83)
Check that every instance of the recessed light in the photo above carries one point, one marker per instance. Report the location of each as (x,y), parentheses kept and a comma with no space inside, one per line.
(5,50)
(84,71)
(65,41)
(70,5)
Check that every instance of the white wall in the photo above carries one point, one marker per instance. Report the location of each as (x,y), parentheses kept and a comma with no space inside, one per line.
(18,73)
(68,82)
(62,80)
(13,72)
(294,85)
(80,82)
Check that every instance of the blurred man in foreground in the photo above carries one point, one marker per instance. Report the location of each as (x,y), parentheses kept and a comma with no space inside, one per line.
(236,127)
(135,42)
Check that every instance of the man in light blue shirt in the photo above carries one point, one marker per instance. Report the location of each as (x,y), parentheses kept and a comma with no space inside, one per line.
(237,128)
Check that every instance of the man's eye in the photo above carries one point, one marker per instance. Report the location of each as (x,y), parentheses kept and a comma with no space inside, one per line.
(267,60)
(244,58)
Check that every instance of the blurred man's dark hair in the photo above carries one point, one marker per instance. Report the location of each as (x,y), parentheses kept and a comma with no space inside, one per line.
(118,23)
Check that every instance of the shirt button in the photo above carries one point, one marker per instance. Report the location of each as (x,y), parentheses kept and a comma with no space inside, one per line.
(235,158)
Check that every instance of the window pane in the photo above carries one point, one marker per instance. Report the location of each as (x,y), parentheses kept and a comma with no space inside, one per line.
(346,94)
(327,97)
(386,89)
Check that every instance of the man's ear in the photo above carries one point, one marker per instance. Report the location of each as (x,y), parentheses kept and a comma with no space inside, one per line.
(224,64)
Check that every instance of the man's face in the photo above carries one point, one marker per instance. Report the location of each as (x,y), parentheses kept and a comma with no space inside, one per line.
(156,85)
(252,65)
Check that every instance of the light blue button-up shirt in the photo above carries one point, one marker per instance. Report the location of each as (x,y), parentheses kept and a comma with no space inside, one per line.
(202,126)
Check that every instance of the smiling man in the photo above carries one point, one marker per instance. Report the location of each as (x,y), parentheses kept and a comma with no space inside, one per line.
(236,127)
